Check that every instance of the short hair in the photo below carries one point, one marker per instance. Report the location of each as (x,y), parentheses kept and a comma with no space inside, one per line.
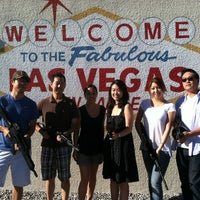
(57,74)
(196,75)
(21,75)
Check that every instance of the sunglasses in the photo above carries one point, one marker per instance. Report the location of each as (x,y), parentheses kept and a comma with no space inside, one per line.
(188,79)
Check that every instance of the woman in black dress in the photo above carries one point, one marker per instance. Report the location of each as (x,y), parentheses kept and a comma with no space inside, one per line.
(119,154)
(90,142)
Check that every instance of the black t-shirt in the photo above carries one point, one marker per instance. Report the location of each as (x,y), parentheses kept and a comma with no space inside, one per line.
(57,117)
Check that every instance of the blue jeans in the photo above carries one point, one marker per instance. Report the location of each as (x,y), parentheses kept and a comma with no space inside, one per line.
(189,173)
(154,177)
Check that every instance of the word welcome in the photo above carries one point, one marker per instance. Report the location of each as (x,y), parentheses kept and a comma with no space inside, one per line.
(97,31)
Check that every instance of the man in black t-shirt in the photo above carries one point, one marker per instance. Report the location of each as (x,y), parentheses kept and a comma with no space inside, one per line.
(59,115)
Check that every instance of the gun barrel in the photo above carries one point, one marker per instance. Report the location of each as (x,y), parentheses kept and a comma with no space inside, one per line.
(152,153)
(163,179)
(68,142)
(23,147)
(35,173)
(29,161)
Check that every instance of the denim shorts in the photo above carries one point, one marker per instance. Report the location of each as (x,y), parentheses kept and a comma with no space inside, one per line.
(56,160)
(83,159)
(19,169)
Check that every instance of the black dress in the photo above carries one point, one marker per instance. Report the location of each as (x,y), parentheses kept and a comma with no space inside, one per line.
(91,139)
(119,155)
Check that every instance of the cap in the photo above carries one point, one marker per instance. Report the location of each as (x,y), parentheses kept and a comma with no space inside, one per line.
(21,74)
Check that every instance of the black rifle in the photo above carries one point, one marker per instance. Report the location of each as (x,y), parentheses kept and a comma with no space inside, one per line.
(18,139)
(63,137)
(148,144)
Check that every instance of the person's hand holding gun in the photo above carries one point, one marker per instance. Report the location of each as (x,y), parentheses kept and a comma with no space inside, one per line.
(150,149)
(6,133)
(42,130)
(59,138)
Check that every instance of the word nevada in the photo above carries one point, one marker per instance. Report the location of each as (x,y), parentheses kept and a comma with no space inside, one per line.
(97,31)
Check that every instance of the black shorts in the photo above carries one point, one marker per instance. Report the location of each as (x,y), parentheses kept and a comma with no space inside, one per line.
(83,159)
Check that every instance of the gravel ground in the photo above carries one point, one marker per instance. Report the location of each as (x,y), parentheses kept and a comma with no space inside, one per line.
(38,195)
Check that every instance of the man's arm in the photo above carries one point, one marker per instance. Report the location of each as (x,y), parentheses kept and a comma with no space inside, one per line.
(31,129)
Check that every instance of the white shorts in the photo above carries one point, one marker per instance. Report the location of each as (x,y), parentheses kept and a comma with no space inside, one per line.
(20,172)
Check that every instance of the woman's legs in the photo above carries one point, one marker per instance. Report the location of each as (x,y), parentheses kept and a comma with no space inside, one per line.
(114,190)
(88,181)
(119,190)
(154,177)
(92,180)
(82,189)
(124,191)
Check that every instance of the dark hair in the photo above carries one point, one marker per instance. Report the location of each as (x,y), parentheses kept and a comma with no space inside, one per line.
(124,100)
(159,82)
(196,75)
(58,74)
(90,86)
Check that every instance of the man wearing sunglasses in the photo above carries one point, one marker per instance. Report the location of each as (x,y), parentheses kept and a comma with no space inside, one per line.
(188,144)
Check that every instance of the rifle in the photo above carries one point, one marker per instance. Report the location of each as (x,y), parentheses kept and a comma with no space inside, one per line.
(152,152)
(18,139)
(63,137)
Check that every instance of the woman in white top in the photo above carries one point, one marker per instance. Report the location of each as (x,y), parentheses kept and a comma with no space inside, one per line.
(157,115)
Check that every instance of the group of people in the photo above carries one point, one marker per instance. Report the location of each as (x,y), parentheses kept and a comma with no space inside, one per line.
(159,116)
(114,146)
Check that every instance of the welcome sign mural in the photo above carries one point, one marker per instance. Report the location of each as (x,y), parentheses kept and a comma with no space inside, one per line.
(97,47)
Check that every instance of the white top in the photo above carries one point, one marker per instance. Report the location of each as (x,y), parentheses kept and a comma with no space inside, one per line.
(155,122)
(190,117)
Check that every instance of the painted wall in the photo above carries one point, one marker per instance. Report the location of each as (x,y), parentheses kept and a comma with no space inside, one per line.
(98,41)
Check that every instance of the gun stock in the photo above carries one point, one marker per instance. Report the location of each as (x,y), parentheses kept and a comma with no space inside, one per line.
(152,153)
